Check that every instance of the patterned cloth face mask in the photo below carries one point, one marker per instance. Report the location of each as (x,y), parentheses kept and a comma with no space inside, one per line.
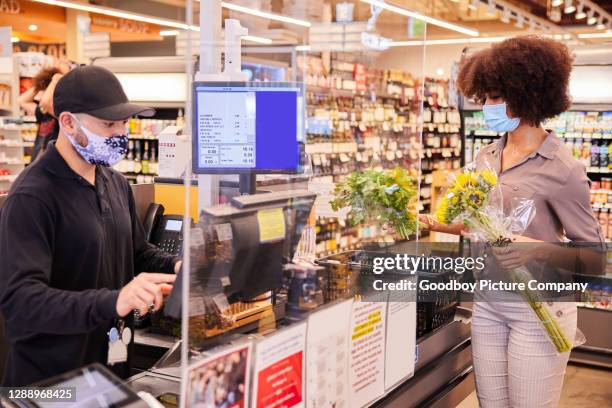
(105,151)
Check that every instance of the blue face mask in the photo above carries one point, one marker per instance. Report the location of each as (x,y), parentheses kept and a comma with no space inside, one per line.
(497,120)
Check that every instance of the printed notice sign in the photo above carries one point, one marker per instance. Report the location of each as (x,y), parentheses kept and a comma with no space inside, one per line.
(327,356)
(226,129)
(401,337)
(367,360)
(271,224)
(279,369)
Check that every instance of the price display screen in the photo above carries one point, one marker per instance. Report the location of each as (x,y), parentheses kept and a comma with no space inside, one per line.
(246,127)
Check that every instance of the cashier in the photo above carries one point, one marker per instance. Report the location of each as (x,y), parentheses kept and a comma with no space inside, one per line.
(74,260)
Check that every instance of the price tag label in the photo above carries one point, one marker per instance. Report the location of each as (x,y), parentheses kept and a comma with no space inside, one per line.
(196,306)
(224,231)
(197,237)
(221,301)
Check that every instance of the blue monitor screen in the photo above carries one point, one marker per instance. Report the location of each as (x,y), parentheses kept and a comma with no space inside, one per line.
(243,127)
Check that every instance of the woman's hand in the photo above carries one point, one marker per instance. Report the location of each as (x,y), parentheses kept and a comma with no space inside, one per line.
(521,251)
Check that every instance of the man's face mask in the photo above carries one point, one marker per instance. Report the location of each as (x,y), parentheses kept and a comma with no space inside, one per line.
(497,120)
(105,151)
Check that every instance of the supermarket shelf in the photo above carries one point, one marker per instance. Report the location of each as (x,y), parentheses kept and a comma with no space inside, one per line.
(9,178)
(12,163)
(142,137)
(598,170)
(21,144)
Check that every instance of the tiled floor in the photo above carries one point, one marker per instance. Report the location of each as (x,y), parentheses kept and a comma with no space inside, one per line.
(584,387)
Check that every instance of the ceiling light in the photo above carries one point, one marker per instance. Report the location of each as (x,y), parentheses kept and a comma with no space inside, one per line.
(302,48)
(32,27)
(595,35)
(255,39)
(491,10)
(519,22)
(264,14)
(556,3)
(473,5)
(506,16)
(465,40)
(591,20)
(600,24)
(137,17)
(580,14)
(419,16)
(440,71)
(14,39)
(115,13)
(567,36)
(569,7)
(168,33)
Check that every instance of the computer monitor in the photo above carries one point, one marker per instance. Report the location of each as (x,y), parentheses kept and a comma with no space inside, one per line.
(247,127)
(244,246)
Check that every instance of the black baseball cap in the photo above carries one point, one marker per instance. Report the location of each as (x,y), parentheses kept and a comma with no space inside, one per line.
(96,91)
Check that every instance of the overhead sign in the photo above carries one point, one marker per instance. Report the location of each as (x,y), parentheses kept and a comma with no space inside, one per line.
(10,6)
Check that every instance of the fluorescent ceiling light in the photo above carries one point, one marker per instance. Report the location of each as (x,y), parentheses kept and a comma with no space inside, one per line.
(32,27)
(255,39)
(556,3)
(506,16)
(595,35)
(115,13)
(569,7)
(419,16)
(137,17)
(168,33)
(467,40)
(264,14)
(580,14)
(302,48)
(600,24)
(491,9)
(14,39)
(592,20)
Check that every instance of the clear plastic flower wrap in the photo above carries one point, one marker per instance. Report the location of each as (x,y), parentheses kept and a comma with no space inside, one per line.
(474,198)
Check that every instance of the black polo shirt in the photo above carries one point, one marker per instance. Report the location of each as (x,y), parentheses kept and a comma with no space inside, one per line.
(66,248)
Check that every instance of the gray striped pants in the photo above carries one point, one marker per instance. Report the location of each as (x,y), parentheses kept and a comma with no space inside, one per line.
(515,363)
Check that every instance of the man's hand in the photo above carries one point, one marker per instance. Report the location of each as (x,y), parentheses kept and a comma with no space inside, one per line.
(145,290)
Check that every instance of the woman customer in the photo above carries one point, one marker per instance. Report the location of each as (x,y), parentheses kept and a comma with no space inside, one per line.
(38,102)
(521,82)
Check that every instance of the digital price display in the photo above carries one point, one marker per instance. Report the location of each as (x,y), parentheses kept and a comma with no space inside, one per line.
(243,127)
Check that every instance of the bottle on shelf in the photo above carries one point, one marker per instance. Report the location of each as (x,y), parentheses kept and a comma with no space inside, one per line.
(145,159)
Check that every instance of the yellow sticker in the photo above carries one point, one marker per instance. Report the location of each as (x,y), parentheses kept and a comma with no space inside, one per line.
(271,224)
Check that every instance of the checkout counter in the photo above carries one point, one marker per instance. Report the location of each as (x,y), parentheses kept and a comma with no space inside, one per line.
(442,373)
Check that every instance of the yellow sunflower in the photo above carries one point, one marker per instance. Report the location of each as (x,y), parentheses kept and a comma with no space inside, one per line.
(489,177)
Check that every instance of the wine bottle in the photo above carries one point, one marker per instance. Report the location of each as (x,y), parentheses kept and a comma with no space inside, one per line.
(145,159)
(137,157)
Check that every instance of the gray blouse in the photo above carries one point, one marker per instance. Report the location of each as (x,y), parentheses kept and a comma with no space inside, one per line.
(558,185)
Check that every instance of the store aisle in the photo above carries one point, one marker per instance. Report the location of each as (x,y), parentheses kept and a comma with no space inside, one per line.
(584,387)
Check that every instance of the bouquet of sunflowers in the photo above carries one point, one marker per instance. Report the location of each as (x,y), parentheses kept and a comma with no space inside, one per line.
(474,199)
(383,197)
